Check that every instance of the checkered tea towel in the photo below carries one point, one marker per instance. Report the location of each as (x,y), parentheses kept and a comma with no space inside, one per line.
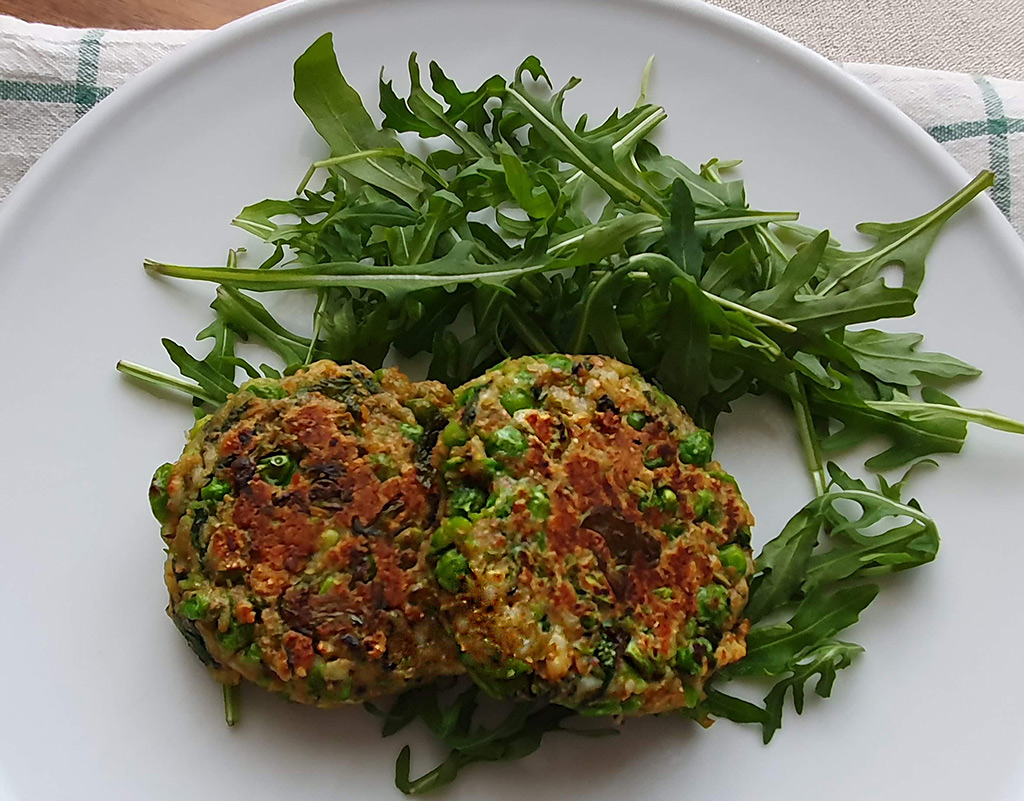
(49,77)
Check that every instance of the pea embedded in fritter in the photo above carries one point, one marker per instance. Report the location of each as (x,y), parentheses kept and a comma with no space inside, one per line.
(591,551)
(298,522)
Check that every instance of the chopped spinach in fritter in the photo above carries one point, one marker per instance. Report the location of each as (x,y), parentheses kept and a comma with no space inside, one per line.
(578,529)
(297,555)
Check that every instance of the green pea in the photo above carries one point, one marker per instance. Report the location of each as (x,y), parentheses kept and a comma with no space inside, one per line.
(713,604)
(539,504)
(466,500)
(449,531)
(636,420)
(328,584)
(454,434)
(559,362)
(383,466)
(697,448)
(451,567)
(653,459)
(195,607)
(158,491)
(515,399)
(509,440)
(703,502)
(665,593)
(328,539)
(215,490)
(411,431)
(667,499)
(269,390)
(734,557)
(277,468)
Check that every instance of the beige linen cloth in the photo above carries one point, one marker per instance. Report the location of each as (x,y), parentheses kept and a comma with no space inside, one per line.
(975,36)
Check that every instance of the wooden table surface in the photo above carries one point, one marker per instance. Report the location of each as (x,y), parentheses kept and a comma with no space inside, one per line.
(132,13)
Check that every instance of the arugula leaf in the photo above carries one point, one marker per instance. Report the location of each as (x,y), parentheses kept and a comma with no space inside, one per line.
(938,407)
(685,367)
(456,267)
(824,661)
(911,436)
(681,237)
(904,243)
(157,379)
(213,383)
(397,114)
(664,170)
(722,705)
(336,111)
(856,553)
(517,735)
(771,649)
(597,319)
(783,563)
(895,359)
(427,108)
(593,153)
(592,243)
(222,356)
(467,107)
(252,320)
(532,196)
(789,567)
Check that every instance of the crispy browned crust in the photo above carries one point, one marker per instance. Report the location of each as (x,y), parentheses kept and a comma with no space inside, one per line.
(317,584)
(591,604)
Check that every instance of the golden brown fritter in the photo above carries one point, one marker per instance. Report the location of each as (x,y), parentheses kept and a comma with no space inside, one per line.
(298,525)
(592,552)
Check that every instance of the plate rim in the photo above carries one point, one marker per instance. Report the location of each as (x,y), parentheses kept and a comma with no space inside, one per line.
(176,66)
(235,33)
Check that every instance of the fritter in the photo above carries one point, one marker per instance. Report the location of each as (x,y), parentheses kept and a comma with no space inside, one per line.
(298,524)
(592,552)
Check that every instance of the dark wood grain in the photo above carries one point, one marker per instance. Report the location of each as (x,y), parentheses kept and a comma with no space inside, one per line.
(128,14)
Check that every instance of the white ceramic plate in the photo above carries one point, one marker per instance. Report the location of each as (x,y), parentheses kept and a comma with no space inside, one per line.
(101,698)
